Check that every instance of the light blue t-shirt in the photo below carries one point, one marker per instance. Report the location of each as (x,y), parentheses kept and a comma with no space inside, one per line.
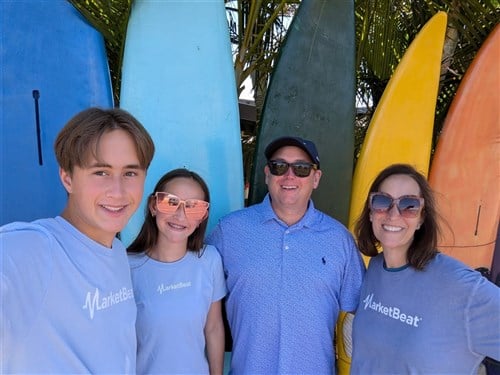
(442,320)
(67,304)
(173,300)
(286,286)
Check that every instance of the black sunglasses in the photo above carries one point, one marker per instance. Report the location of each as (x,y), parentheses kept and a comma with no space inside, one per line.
(300,168)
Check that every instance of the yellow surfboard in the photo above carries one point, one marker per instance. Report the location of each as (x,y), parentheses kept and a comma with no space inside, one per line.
(399,132)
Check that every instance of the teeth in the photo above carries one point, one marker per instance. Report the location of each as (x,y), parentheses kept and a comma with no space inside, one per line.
(288,187)
(114,209)
(176,226)
(390,228)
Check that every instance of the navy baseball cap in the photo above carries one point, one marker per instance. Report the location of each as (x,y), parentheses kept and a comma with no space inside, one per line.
(308,146)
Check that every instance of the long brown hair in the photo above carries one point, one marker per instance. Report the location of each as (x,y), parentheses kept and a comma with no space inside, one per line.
(148,235)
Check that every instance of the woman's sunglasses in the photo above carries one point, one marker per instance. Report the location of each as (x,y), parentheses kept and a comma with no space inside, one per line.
(194,209)
(409,206)
(300,169)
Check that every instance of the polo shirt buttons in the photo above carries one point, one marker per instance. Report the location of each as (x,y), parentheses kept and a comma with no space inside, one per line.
(286,247)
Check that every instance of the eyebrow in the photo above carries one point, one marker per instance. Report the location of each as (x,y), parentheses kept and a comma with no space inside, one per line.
(105,165)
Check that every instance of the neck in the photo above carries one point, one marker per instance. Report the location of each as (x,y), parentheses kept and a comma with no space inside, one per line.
(104,238)
(167,253)
(289,215)
(395,258)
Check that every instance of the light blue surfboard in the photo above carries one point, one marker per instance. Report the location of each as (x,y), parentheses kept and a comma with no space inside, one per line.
(178,80)
(53,65)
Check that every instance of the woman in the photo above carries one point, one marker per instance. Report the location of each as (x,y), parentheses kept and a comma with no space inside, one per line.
(420,311)
(178,282)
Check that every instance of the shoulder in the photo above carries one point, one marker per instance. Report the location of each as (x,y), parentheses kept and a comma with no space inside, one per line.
(136,260)
(453,272)
(210,254)
(26,236)
(242,216)
(324,223)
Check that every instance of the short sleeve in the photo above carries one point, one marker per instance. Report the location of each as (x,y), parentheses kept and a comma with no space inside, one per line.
(352,278)
(25,268)
(483,317)
(219,281)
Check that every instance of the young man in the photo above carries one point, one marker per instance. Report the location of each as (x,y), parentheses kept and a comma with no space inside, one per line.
(289,270)
(66,296)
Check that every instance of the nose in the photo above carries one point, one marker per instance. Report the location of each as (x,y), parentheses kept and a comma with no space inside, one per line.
(393,211)
(289,172)
(180,212)
(116,187)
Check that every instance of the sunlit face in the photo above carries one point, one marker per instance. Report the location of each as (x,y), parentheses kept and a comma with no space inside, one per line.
(103,196)
(177,227)
(393,231)
(289,191)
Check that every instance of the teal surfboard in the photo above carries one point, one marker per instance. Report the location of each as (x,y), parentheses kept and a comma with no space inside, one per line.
(178,80)
(312,95)
(53,65)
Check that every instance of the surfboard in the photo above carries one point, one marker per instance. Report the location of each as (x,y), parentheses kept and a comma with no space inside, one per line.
(178,80)
(495,264)
(312,95)
(53,65)
(401,128)
(465,169)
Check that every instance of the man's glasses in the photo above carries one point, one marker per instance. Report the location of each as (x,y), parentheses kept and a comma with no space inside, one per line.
(300,169)
(194,209)
(409,206)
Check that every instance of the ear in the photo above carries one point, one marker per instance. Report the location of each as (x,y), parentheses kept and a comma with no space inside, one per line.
(266,174)
(421,221)
(66,180)
(317,177)
(151,206)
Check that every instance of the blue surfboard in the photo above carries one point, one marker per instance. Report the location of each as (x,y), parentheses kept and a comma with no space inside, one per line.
(178,80)
(53,65)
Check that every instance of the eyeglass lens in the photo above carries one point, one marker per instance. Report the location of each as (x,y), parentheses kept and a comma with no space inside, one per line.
(300,169)
(194,208)
(408,206)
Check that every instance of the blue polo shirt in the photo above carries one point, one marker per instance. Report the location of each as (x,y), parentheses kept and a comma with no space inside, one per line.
(286,286)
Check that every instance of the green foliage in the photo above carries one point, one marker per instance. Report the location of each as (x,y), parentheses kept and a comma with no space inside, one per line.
(384,30)
(110,17)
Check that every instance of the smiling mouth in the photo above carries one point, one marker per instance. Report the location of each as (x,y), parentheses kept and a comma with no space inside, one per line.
(391,228)
(112,208)
(176,226)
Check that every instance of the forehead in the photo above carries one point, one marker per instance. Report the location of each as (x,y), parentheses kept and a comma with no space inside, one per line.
(291,153)
(184,188)
(114,147)
(399,184)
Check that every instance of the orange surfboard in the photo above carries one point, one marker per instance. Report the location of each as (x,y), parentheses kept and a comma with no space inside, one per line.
(465,171)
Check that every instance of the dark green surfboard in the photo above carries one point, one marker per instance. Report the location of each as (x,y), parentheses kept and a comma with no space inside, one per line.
(312,95)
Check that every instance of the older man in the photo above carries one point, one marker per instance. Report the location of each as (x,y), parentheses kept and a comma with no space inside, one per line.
(289,269)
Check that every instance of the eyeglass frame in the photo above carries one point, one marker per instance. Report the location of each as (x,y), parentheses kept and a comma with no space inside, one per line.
(294,165)
(180,201)
(395,202)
